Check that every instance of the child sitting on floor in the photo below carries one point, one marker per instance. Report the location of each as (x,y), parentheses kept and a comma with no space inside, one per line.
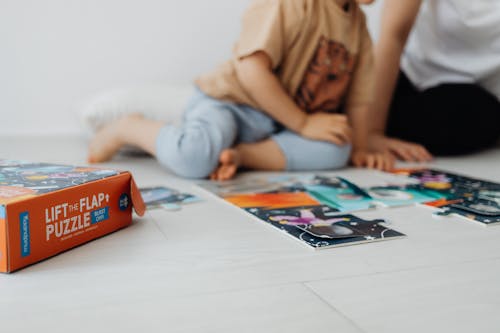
(300,76)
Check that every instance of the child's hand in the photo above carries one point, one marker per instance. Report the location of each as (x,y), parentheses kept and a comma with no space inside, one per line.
(327,127)
(373,160)
(403,150)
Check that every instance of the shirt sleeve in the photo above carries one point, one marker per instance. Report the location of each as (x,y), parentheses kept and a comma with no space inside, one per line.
(361,91)
(266,26)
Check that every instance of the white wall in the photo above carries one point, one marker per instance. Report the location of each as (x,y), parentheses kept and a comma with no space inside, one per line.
(57,53)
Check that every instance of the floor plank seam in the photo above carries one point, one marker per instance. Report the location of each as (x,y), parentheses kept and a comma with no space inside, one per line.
(333,308)
(149,217)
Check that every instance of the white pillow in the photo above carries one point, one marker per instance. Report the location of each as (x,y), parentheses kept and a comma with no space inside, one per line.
(165,102)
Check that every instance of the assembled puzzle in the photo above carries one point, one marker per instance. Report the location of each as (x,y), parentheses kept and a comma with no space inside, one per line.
(311,208)
(302,206)
(466,197)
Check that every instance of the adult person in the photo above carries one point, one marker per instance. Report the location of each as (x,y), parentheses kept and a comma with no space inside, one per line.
(437,68)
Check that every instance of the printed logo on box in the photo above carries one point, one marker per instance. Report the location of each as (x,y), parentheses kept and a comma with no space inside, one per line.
(24,223)
(124,202)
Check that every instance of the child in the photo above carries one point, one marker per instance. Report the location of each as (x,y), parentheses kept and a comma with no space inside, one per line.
(277,105)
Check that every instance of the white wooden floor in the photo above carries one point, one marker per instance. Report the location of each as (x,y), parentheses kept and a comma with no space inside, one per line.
(211,268)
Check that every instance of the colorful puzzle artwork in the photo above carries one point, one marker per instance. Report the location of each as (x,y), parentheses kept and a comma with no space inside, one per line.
(338,193)
(310,207)
(396,196)
(335,192)
(307,208)
(166,198)
(273,184)
(321,227)
(474,199)
(19,178)
(272,200)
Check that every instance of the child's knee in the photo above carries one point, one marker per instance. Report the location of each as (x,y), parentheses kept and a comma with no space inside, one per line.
(189,161)
(192,153)
(320,156)
(335,156)
(302,154)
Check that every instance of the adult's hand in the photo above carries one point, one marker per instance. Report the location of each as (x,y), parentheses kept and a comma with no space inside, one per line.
(400,149)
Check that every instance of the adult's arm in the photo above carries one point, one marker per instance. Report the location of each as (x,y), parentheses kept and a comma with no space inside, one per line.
(397,20)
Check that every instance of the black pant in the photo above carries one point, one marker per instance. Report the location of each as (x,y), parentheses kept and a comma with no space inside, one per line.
(448,119)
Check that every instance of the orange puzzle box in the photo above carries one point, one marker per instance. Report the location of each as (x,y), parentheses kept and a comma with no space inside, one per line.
(46,209)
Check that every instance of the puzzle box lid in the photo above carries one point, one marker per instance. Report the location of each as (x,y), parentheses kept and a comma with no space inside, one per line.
(22,179)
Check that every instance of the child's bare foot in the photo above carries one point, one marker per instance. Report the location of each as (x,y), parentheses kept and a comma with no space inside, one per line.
(109,139)
(229,160)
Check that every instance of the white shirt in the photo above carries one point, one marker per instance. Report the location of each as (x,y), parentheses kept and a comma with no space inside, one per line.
(455,41)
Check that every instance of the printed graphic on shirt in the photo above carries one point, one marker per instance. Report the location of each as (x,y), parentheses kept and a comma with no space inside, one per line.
(327,78)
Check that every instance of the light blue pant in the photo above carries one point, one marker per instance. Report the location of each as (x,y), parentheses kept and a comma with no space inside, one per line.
(210,126)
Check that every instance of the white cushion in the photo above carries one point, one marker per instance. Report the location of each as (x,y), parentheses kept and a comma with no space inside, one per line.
(165,102)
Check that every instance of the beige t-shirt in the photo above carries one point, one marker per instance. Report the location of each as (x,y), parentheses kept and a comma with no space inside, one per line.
(321,53)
